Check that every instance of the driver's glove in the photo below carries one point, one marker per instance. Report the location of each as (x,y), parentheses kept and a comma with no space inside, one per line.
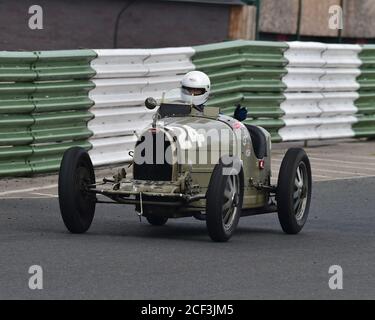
(240,113)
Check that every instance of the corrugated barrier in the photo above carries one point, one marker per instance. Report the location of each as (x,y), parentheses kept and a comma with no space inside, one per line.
(123,80)
(43,108)
(52,100)
(249,73)
(321,90)
(365,125)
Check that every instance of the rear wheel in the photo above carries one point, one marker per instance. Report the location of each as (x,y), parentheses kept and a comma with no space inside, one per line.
(77,205)
(294,190)
(223,204)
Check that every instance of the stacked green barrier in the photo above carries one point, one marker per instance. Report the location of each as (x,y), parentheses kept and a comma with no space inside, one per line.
(366,102)
(43,108)
(249,73)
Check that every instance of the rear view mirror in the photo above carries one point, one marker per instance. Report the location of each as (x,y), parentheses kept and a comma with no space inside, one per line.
(151,103)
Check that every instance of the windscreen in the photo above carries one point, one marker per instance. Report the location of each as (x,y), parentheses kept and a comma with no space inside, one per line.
(174,97)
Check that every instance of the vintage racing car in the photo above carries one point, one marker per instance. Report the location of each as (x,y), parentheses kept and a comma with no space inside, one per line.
(189,163)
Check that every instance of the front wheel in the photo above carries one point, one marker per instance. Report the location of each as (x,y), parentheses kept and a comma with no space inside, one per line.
(294,190)
(77,205)
(223,203)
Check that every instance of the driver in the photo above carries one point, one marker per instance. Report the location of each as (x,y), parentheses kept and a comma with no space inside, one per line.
(195,89)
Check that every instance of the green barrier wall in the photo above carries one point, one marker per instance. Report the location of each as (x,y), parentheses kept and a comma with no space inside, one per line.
(249,73)
(43,108)
(366,102)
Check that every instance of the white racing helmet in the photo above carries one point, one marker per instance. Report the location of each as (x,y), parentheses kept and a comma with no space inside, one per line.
(195,88)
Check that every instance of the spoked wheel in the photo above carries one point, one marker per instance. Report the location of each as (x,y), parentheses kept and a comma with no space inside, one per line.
(301,189)
(223,204)
(294,191)
(231,197)
(77,205)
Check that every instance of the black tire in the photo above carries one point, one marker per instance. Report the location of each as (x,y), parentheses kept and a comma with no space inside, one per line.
(293,192)
(77,206)
(157,220)
(218,229)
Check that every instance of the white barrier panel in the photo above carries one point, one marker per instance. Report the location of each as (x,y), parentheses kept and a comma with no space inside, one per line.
(301,105)
(336,127)
(300,129)
(321,90)
(124,79)
(338,103)
(169,61)
(317,128)
(115,122)
(112,150)
(342,56)
(124,63)
(339,79)
(120,63)
(305,54)
(130,92)
(303,79)
(117,92)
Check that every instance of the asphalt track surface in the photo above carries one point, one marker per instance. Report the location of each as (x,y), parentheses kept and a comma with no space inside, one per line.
(122,258)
